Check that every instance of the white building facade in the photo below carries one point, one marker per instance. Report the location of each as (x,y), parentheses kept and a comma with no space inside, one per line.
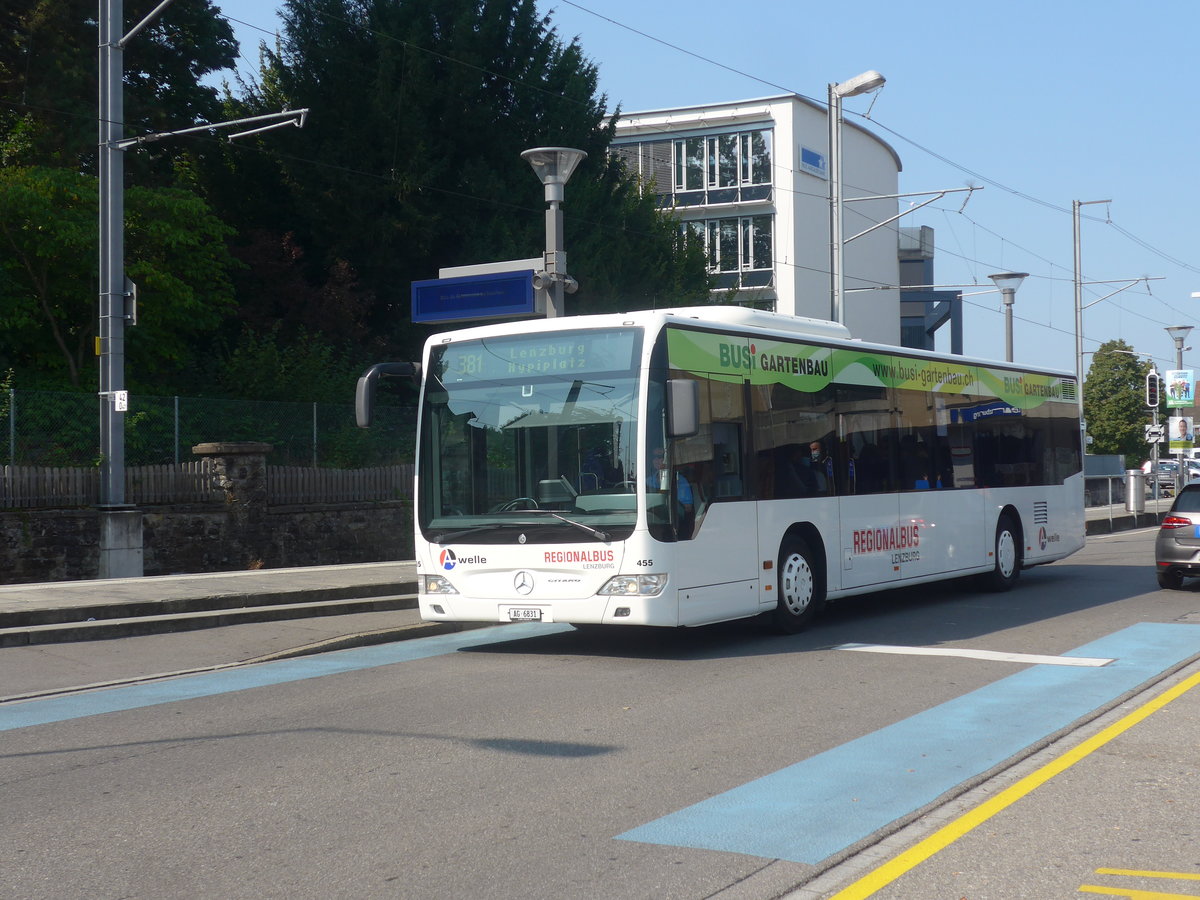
(750,179)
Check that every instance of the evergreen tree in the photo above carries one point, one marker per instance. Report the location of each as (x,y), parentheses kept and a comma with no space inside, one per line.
(411,159)
(1114,403)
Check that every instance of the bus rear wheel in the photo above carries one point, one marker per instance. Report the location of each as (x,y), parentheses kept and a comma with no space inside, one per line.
(1008,556)
(801,589)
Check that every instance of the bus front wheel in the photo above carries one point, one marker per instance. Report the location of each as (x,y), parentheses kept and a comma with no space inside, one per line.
(801,591)
(1008,556)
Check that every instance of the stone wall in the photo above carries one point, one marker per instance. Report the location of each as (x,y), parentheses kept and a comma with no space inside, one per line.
(63,544)
(245,532)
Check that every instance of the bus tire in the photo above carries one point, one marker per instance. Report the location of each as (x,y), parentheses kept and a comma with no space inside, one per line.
(1007,566)
(801,588)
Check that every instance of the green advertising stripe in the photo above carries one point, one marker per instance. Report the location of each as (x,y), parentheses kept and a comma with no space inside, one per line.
(810,368)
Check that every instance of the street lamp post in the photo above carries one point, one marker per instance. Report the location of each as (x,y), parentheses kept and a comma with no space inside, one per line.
(1179,334)
(1075,205)
(860,84)
(554,165)
(1008,282)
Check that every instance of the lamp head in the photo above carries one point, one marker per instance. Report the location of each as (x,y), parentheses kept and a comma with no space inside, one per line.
(1179,333)
(1008,281)
(860,84)
(553,165)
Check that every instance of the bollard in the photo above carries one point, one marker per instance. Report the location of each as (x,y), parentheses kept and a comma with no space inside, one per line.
(1135,491)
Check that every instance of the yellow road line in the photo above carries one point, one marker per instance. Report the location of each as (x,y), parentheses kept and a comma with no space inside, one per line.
(1135,873)
(1130,894)
(948,834)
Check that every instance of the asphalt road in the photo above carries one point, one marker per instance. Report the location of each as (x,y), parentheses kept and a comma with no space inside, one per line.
(542,762)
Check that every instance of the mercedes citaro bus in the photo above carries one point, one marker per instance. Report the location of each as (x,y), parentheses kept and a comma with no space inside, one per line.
(687,466)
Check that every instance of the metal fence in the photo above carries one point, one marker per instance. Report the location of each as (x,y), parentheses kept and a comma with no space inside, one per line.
(50,428)
(51,487)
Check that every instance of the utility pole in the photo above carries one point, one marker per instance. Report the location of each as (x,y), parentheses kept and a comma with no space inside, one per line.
(120,523)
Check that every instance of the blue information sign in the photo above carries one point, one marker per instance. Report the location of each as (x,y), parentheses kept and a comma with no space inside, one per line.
(503,295)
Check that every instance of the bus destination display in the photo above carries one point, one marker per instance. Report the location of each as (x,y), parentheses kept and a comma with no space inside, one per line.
(567,353)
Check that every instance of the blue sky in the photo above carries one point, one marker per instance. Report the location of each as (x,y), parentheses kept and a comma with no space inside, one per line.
(1040,103)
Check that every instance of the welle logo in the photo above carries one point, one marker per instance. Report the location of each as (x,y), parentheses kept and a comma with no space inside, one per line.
(447,560)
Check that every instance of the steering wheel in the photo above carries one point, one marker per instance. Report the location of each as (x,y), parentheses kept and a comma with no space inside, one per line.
(518,503)
(627,486)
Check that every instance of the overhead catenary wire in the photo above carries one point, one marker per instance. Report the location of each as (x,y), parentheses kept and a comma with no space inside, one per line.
(934,154)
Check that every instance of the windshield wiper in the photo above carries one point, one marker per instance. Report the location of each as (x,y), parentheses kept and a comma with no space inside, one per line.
(595,532)
(455,535)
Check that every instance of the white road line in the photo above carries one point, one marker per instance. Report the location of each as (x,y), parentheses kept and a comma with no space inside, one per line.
(1031,659)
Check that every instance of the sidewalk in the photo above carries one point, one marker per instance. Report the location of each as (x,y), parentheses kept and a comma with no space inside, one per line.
(120,607)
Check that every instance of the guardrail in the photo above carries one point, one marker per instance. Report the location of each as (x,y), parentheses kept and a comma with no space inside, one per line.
(1105,495)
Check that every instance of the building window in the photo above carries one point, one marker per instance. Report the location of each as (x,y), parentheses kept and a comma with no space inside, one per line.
(757,242)
(723,161)
(722,168)
(689,164)
(756,157)
(736,244)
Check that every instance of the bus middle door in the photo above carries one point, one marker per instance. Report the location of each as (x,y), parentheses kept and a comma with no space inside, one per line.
(717,551)
(871,530)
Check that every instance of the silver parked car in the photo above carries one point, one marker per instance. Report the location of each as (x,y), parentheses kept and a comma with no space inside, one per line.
(1165,476)
(1177,548)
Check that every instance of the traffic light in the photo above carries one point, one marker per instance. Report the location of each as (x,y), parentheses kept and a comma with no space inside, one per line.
(1152,389)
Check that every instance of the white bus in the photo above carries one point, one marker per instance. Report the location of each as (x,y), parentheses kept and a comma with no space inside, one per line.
(689,466)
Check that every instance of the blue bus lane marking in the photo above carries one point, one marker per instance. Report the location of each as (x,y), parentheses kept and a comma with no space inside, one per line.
(25,713)
(818,807)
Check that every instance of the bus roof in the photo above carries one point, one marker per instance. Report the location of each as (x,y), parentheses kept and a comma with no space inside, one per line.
(729,316)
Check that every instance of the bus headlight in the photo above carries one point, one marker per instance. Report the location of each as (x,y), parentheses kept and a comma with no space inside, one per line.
(436,584)
(627,585)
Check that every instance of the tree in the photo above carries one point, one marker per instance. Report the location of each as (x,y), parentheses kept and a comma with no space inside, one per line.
(49,81)
(1114,402)
(411,159)
(175,252)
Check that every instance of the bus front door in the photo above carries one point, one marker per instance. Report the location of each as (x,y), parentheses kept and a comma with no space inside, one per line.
(717,568)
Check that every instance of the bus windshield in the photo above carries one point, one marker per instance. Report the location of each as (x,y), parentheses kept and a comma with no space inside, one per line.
(530,437)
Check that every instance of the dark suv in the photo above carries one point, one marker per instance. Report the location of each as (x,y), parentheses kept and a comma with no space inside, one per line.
(1177,548)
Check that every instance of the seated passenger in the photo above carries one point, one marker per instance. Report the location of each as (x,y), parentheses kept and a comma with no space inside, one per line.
(598,472)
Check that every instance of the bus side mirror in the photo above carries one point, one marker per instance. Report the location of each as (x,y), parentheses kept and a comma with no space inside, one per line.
(683,407)
(364,393)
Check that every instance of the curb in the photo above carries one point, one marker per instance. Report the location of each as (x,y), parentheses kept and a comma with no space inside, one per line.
(372,638)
